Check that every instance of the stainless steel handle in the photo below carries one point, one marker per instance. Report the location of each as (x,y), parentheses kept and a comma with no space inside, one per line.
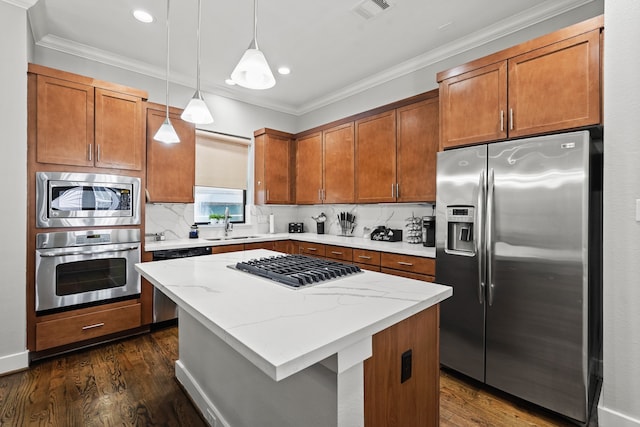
(312,249)
(97,152)
(510,118)
(336,253)
(392,190)
(364,257)
(320,194)
(90,152)
(78,252)
(397,190)
(501,120)
(404,263)
(324,194)
(489,235)
(95,325)
(267,195)
(482,185)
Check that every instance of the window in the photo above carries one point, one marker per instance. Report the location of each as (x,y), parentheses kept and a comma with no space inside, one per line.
(210,204)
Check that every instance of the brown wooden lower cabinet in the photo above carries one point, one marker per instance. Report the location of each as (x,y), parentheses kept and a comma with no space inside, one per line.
(388,402)
(227,248)
(63,329)
(259,245)
(312,249)
(339,253)
(367,266)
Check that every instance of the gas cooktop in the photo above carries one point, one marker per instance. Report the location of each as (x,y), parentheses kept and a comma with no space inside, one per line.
(296,271)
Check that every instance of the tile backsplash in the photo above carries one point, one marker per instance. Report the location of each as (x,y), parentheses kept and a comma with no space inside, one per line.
(175,219)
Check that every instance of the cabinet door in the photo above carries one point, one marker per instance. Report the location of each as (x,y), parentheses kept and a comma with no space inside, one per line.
(309,169)
(338,164)
(277,169)
(556,87)
(119,134)
(473,106)
(416,147)
(376,158)
(170,167)
(65,125)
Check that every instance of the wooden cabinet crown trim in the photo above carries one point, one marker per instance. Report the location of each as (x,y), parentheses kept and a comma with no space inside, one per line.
(65,75)
(537,43)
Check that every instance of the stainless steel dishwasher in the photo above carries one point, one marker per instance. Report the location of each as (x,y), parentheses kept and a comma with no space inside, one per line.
(165,310)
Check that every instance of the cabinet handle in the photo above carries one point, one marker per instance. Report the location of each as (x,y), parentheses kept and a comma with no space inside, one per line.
(397,190)
(510,118)
(90,152)
(405,263)
(336,253)
(324,195)
(312,249)
(501,120)
(392,190)
(364,257)
(267,194)
(97,152)
(95,325)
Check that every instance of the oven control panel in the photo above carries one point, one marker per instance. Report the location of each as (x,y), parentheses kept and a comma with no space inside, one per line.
(93,239)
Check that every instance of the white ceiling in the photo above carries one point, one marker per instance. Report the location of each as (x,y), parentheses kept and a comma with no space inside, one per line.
(332,51)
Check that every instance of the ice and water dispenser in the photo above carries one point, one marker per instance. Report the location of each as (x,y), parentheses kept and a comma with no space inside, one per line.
(460,230)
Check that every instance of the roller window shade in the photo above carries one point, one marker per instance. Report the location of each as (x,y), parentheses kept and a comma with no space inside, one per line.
(221,160)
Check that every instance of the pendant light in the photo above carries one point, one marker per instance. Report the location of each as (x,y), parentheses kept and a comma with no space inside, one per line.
(167,133)
(197,111)
(253,71)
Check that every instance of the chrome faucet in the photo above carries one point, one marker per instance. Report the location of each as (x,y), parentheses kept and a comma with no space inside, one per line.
(227,224)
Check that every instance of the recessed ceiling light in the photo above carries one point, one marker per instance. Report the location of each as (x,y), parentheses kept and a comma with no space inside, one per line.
(284,70)
(143,16)
(230,82)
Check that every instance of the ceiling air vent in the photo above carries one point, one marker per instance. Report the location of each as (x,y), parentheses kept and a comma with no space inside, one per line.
(370,8)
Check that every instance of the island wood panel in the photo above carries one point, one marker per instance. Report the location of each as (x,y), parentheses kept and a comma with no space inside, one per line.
(119,130)
(387,401)
(65,125)
(556,87)
(473,106)
(417,144)
(375,167)
(170,167)
(338,164)
(309,169)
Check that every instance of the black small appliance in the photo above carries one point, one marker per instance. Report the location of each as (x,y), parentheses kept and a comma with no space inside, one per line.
(429,231)
(296,227)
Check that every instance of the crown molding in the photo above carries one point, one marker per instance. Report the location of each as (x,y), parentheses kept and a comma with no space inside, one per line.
(513,24)
(24,4)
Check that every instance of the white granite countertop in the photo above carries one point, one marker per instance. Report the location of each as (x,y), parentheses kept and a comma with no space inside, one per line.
(328,239)
(281,330)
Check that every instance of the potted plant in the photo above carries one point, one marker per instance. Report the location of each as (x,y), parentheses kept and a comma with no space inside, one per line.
(215,218)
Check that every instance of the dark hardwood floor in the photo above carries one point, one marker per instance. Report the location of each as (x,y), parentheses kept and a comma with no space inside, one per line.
(131,383)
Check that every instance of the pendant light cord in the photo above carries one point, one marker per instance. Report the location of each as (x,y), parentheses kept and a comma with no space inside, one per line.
(167,93)
(255,24)
(198,53)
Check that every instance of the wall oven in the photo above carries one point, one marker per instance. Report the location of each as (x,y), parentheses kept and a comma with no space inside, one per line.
(80,267)
(66,199)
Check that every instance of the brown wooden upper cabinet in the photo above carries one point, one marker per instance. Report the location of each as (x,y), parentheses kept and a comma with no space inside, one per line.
(170,167)
(274,169)
(84,122)
(396,154)
(325,166)
(548,84)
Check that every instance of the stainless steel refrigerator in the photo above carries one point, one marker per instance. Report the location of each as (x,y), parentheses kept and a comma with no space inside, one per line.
(518,237)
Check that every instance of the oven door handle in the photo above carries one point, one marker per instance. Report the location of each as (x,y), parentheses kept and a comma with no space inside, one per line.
(105,251)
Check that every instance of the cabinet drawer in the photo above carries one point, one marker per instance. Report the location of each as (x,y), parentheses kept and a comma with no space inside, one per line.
(339,252)
(227,248)
(408,274)
(313,249)
(409,263)
(67,330)
(259,245)
(367,266)
(366,257)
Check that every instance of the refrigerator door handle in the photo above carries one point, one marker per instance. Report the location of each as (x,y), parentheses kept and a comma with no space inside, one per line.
(480,247)
(489,235)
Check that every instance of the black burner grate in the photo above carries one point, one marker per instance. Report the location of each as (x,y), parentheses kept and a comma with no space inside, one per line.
(297,270)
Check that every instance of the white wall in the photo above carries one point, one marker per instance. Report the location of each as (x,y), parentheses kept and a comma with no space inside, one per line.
(13,164)
(620,399)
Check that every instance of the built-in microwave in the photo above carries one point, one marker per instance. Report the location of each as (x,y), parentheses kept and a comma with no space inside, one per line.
(67,199)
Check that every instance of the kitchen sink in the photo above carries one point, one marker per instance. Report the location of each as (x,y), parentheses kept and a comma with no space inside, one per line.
(231,238)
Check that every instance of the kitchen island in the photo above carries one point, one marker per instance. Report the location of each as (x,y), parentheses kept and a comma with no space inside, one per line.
(253,352)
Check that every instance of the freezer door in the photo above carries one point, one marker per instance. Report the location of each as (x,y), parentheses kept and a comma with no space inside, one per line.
(459,173)
(536,328)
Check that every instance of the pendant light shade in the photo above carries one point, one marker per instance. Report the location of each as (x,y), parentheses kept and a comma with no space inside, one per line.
(167,133)
(196,110)
(253,71)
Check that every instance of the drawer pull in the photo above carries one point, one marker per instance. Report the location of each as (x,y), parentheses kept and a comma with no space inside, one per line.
(405,263)
(311,249)
(364,257)
(336,253)
(95,325)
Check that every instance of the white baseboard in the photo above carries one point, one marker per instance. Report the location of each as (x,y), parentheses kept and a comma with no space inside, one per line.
(204,404)
(610,418)
(14,362)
